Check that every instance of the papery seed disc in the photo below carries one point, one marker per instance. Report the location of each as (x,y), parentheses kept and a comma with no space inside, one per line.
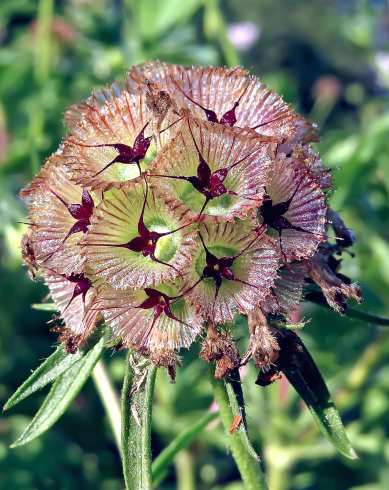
(218,89)
(115,222)
(307,209)
(257,266)
(287,291)
(221,147)
(79,318)
(51,221)
(135,326)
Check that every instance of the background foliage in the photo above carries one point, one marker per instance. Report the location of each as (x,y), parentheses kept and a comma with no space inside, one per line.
(331,61)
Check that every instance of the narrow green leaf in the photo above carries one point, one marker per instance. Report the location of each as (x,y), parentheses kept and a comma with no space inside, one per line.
(235,396)
(162,462)
(310,385)
(137,403)
(48,371)
(249,468)
(64,390)
(45,306)
(319,299)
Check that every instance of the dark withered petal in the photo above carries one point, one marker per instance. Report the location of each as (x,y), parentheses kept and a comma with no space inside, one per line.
(334,289)
(345,235)
(221,348)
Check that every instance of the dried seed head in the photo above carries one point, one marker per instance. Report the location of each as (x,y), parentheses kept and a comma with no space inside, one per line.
(155,214)
(222,348)
(263,346)
(28,254)
(333,288)
(166,358)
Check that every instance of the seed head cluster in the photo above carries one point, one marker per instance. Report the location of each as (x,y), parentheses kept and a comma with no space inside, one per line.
(181,197)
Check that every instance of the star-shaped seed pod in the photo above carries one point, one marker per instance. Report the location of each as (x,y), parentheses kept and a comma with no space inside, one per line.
(211,172)
(225,96)
(74,296)
(293,208)
(232,271)
(150,320)
(112,145)
(136,240)
(60,213)
(108,146)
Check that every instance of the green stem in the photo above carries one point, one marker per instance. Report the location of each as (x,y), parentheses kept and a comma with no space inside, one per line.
(42,61)
(184,471)
(180,442)
(357,314)
(136,425)
(215,28)
(250,469)
(43,40)
(109,398)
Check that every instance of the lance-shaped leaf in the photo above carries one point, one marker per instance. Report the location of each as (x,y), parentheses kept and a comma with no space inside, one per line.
(63,392)
(310,385)
(162,462)
(137,397)
(239,426)
(48,371)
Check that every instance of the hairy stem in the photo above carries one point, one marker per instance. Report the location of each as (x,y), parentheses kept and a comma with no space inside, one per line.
(250,469)
(109,398)
(137,403)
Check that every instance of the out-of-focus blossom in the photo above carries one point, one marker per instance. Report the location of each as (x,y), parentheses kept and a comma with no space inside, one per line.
(243,34)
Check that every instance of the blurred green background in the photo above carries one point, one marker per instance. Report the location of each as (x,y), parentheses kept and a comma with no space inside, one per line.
(331,61)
